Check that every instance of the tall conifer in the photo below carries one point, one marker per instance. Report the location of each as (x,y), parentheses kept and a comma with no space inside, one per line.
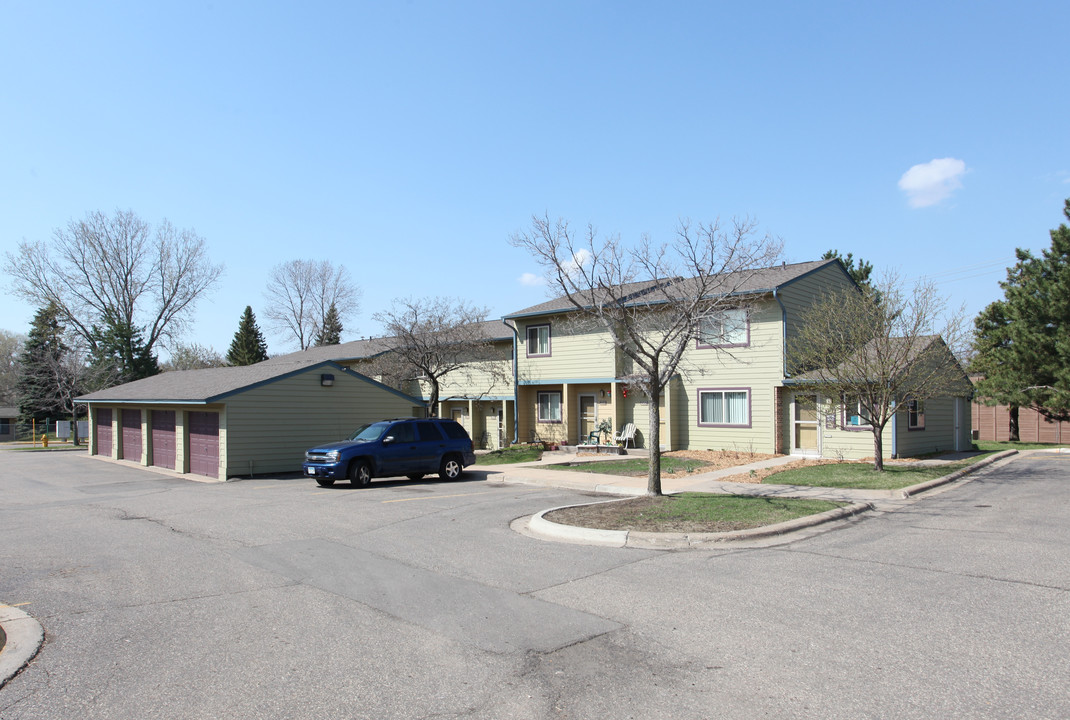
(248,346)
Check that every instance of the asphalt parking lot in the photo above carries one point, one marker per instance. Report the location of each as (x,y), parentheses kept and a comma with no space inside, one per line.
(162,597)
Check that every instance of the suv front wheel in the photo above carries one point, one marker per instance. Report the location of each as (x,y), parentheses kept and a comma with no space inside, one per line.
(451,468)
(360,473)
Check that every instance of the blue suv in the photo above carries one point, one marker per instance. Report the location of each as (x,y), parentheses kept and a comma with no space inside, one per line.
(413,447)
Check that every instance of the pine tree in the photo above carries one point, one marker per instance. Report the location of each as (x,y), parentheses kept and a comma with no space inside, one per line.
(1022,342)
(120,351)
(248,346)
(331,332)
(38,393)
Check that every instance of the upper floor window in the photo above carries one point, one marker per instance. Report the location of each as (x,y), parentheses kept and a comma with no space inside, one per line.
(538,340)
(724,328)
(724,407)
(854,414)
(915,414)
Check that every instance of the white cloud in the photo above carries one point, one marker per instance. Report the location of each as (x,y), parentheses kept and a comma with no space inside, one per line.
(531,280)
(581,258)
(932,182)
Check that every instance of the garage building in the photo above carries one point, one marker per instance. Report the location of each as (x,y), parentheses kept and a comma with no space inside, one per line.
(226,422)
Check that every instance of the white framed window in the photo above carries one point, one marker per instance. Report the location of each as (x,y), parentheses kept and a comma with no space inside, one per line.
(549,407)
(724,328)
(915,414)
(854,414)
(538,340)
(727,406)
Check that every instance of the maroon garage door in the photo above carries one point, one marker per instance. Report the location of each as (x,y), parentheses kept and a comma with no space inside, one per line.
(132,435)
(104,432)
(204,443)
(163,438)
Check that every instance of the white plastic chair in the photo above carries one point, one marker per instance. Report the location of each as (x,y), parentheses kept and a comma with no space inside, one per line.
(626,435)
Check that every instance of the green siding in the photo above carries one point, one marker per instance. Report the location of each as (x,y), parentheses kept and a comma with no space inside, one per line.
(270,427)
(575,353)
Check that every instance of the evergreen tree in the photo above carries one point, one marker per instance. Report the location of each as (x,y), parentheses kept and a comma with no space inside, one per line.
(331,332)
(38,393)
(248,346)
(1022,342)
(860,273)
(120,351)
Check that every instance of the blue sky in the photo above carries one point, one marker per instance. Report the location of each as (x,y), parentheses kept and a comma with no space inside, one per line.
(408,141)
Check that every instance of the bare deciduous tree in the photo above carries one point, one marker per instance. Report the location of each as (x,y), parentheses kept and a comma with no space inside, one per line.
(880,353)
(11,345)
(192,356)
(651,298)
(300,294)
(432,338)
(116,267)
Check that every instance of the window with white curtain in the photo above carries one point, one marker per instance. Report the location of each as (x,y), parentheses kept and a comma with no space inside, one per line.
(549,407)
(724,327)
(724,407)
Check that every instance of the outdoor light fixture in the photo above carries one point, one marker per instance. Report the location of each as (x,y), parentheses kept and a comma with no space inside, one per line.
(326,379)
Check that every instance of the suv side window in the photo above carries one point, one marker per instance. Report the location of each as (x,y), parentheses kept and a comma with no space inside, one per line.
(427,431)
(453,430)
(402,433)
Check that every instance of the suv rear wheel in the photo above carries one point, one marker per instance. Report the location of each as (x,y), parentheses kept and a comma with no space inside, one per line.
(451,468)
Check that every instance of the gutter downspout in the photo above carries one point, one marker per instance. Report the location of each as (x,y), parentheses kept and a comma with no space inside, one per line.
(516,380)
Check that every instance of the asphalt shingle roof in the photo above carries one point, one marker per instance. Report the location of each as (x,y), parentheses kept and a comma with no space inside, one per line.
(757,281)
(193,385)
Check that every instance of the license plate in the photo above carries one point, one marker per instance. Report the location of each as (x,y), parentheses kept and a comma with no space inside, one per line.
(312,471)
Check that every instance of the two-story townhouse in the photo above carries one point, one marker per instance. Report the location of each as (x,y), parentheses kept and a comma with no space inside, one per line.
(731,392)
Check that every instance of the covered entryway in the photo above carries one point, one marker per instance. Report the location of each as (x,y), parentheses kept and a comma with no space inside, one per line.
(163,439)
(131,423)
(103,431)
(204,444)
(588,417)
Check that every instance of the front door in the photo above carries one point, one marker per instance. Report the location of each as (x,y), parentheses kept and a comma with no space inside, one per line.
(588,416)
(805,437)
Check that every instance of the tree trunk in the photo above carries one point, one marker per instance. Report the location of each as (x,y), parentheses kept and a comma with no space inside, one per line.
(878,448)
(653,478)
(1013,413)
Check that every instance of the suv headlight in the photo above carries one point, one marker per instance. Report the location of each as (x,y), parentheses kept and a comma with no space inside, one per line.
(332,456)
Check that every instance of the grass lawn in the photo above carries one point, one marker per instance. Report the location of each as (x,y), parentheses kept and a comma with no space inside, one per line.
(513,454)
(862,476)
(690,512)
(634,467)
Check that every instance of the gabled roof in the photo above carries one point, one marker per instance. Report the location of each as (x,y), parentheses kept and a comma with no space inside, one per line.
(212,384)
(755,282)
(866,357)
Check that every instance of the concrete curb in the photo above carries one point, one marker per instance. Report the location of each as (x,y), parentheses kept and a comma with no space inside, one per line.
(957,475)
(22,639)
(540,526)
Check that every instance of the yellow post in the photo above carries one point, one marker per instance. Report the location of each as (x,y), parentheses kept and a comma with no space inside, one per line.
(33,431)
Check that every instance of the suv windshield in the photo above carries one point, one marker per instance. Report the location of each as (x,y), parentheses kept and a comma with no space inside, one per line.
(368,433)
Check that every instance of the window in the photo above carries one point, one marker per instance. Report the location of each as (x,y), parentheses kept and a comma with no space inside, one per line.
(724,328)
(549,407)
(538,340)
(724,407)
(5,426)
(915,414)
(854,414)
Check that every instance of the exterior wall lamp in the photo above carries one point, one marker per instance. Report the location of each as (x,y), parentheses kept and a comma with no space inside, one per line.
(326,380)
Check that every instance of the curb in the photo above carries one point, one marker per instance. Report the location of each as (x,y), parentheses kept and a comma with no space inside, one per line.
(22,639)
(549,530)
(957,475)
